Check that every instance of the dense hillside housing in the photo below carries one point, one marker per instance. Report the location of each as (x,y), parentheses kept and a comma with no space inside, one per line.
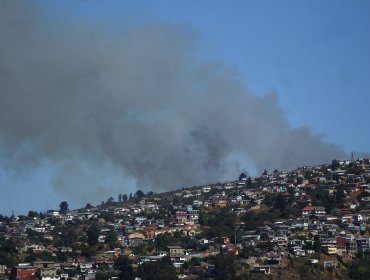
(313,218)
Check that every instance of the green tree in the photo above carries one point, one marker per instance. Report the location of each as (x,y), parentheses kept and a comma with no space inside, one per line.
(46,256)
(162,269)
(30,258)
(280,202)
(339,197)
(88,206)
(32,214)
(105,275)
(225,268)
(249,182)
(62,257)
(222,224)
(164,240)
(248,251)
(360,270)
(335,165)
(139,194)
(299,180)
(242,176)
(93,234)
(111,239)
(8,250)
(123,265)
(63,207)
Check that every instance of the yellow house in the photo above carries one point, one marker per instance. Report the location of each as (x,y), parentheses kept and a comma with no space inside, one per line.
(221,204)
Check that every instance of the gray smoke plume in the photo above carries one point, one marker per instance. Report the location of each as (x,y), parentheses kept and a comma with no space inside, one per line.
(110,106)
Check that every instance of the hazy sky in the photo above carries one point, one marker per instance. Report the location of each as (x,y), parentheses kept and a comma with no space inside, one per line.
(98,98)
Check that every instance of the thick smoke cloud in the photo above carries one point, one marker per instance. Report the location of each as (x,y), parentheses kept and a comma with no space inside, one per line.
(106,105)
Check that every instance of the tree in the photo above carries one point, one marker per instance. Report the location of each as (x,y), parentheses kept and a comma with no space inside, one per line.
(225,268)
(107,216)
(33,214)
(280,202)
(335,164)
(162,269)
(249,182)
(221,224)
(248,251)
(130,197)
(124,197)
(120,198)
(62,257)
(242,175)
(139,194)
(93,234)
(30,258)
(360,270)
(299,180)
(123,265)
(111,239)
(8,249)
(163,240)
(339,197)
(46,256)
(63,207)
(88,206)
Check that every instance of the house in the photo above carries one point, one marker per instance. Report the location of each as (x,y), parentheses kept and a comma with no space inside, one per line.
(53,214)
(264,269)
(86,267)
(203,241)
(220,203)
(308,210)
(193,216)
(197,203)
(33,248)
(320,210)
(177,255)
(298,251)
(206,189)
(48,268)
(23,271)
(2,269)
(329,265)
(176,251)
(181,217)
(362,243)
(330,249)
(54,277)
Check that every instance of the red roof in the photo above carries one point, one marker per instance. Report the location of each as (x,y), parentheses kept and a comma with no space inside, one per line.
(341,241)
(309,208)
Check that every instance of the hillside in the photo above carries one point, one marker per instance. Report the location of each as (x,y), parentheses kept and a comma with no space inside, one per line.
(306,223)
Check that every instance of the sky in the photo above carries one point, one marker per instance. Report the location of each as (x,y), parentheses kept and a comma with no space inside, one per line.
(105,97)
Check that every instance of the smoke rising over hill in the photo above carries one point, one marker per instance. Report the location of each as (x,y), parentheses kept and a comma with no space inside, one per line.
(132,103)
